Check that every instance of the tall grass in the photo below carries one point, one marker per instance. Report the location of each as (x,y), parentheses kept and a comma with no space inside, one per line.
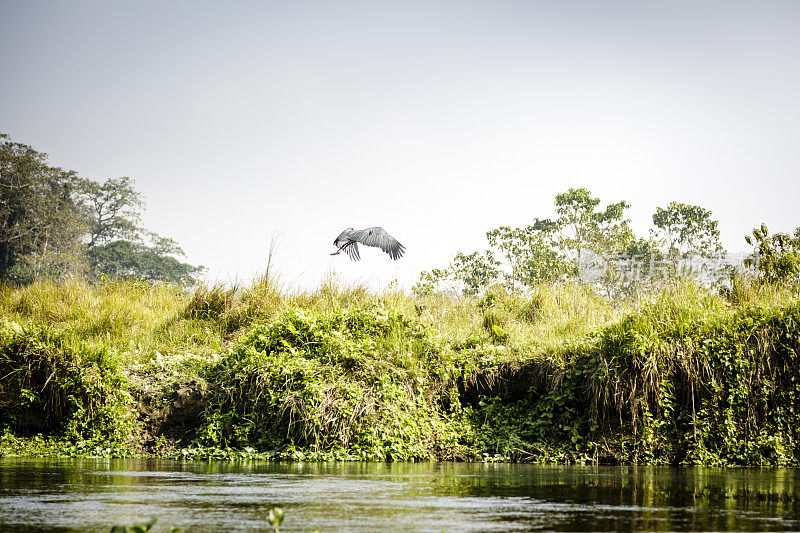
(140,319)
(559,373)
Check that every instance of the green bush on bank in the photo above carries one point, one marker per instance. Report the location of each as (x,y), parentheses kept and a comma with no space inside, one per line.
(684,376)
(365,381)
(720,390)
(52,385)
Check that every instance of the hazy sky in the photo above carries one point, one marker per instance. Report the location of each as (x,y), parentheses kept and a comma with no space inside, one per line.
(435,120)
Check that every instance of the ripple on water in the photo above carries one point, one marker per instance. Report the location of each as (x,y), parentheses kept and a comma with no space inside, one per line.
(88,495)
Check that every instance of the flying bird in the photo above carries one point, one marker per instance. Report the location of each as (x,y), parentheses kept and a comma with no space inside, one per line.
(348,241)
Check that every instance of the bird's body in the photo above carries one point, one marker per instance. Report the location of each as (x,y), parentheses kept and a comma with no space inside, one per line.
(348,241)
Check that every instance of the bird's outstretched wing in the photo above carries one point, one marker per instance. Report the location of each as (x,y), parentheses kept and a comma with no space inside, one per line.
(380,238)
(352,250)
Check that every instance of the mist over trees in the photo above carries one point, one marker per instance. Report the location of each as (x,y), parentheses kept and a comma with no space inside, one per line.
(55,224)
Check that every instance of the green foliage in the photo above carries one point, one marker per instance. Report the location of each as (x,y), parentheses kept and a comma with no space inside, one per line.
(40,222)
(687,229)
(708,391)
(593,245)
(493,321)
(493,326)
(275,517)
(680,381)
(777,256)
(111,209)
(532,253)
(54,386)
(210,303)
(686,232)
(118,245)
(135,319)
(125,259)
(429,280)
(641,269)
(475,270)
(683,375)
(353,380)
(583,227)
(545,251)
(470,273)
(55,225)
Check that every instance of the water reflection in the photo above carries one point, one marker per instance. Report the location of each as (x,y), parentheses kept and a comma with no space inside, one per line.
(91,495)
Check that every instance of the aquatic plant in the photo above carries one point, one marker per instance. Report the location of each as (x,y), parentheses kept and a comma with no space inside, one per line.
(275,518)
(142,527)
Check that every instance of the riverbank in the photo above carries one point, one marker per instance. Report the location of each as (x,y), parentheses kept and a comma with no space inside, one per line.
(683,376)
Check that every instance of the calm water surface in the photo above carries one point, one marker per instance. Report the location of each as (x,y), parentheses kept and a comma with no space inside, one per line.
(94,494)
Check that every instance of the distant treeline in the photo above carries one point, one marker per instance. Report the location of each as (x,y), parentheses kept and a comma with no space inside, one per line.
(55,224)
(597,246)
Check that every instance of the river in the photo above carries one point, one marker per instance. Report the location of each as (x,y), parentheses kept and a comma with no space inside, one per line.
(95,494)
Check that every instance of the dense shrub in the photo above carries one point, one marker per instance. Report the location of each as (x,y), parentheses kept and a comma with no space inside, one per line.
(366,382)
(53,387)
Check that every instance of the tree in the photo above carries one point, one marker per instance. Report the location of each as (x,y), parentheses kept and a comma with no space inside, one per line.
(470,273)
(777,257)
(150,263)
(532,254)
(118,245)
(582,227)
(546,250)
(56,224)
(40,224)
(112,209)
(639,268)
(687,230)
(551,250)
(476,271)
(430,280)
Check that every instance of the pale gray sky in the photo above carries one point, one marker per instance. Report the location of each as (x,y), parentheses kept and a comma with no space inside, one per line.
(437,120)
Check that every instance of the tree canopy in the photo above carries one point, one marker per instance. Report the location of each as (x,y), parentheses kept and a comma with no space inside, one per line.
(545,251)
(56,224)
(687,230)
(776,257)
(585,242)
